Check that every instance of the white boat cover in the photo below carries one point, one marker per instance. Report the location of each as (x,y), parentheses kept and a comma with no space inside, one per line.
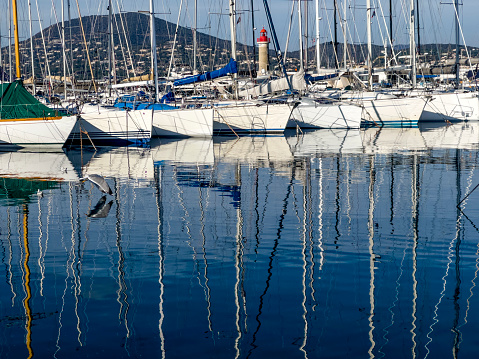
(297,82)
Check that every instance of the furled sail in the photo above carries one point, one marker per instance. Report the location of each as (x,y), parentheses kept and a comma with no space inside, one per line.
(231,68)
(297,83)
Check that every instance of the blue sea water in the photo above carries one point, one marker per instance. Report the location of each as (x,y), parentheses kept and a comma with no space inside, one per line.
(326,244)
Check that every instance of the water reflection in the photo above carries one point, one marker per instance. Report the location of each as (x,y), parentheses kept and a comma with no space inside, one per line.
(325,243)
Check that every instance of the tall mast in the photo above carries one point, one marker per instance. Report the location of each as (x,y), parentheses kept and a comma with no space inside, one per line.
(413,44)
(154,59)
(370,50)
(418,29)
(233,42)
(306,35)
(9,43)
(456,5)
(391,26)
(254,43)
(31,44)
(64,53)
(195,45)
(71,42)
(110,45)
(301,47)
(17,43)
(345,40)
(336,34)
(318,55)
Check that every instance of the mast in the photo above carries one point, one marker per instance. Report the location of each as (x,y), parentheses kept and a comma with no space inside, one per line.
(345,40)
(233,43)
(413,45)
(9,43)
(64,53)
(110,45)
(456,5)
(154,59)
(370,50)
(195,45)
(391,26)
(418,30)
(306,36)
(300,26)
(336,34)
(31,44)
(318,54)
(254,44)
(71,43)
(17,44)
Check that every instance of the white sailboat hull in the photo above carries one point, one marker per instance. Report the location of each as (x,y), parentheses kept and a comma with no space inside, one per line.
(313,114)
(452,107)
(112,126)
(51,132)
(383,109)
(196,122)
(251,118)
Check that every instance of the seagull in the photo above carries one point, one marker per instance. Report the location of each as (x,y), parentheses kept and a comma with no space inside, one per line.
(99,181)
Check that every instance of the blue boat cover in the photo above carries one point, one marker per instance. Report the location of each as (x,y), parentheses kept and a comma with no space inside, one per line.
(426,76)
(231,68)
(310,78)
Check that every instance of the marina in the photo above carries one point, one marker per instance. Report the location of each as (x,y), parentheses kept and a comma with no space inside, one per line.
(174,186)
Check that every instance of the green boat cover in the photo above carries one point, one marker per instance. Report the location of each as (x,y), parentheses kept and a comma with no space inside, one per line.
(17,103)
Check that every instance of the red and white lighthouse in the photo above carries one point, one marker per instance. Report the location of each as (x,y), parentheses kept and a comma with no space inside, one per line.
(263,51)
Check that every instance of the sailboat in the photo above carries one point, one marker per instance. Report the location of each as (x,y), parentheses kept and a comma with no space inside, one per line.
(314,113)
(109,125)
(24,121)
(457,105)
(251,116)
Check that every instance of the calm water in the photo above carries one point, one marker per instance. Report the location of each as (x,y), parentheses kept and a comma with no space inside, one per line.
(331,245)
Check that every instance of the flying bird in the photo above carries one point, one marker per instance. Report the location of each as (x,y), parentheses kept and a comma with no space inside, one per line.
(98,181)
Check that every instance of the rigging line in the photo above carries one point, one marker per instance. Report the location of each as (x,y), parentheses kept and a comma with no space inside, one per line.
(361,48)
(115,19)
(331,34)
(462,36)
(174,41)
(289,31)
(388,35)
(379,27)
(86,45)
(127,39)
(47,64)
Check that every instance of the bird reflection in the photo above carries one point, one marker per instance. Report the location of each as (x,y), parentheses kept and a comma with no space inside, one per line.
(101,209)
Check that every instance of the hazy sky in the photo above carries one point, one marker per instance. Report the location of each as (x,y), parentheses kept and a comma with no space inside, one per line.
(437,20)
